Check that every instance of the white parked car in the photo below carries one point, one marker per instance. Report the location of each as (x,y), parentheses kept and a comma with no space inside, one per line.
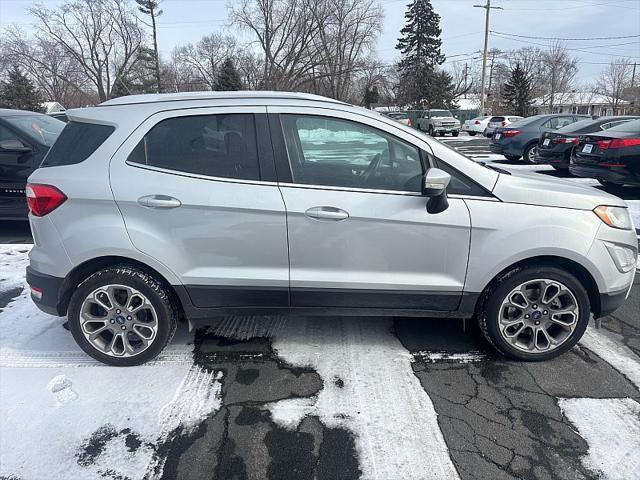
(497,122)
(476,125)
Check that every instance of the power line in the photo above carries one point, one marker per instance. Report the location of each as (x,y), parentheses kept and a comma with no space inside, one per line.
(567,39)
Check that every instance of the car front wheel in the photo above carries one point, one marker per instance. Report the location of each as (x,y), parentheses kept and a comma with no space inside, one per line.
(535,313)
(122,316)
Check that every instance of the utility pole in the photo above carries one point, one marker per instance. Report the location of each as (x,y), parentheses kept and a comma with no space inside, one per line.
(488,8)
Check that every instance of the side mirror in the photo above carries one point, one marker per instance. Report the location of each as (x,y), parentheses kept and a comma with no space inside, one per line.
(435,182)
(14,146)
(435,186)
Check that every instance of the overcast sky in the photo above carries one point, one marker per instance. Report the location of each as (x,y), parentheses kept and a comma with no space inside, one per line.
(462,26)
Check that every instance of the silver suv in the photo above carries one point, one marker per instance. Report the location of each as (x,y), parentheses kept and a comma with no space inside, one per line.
(156,208)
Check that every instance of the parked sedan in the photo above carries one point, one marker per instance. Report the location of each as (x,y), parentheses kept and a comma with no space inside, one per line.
(611,157)
(401,117)
(520,139)
(554,147)
(25,138)
(496,122)
(475,125)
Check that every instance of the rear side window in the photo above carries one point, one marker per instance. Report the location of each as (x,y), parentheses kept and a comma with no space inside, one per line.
(76,143)
(212,145)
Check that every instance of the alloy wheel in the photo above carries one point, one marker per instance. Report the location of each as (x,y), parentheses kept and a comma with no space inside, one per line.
(538,316)
(118,320)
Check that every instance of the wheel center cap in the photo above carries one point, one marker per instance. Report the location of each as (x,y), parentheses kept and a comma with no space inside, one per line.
(536,315)
(120,320)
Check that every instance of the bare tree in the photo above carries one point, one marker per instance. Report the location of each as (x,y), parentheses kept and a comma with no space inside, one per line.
(201,62)
(102,36)
(286,32)
(558,71)
(613,81)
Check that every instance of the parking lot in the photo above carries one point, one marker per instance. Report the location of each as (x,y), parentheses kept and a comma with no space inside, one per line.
(324,398)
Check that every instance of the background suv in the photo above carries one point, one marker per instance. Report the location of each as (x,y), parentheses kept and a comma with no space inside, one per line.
(200,205)
(520,139)
(25,138)
(439,122)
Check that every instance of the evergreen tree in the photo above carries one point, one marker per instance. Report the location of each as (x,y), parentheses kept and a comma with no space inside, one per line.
(18,92)
(229,78)
(371,96)
(419,46)
(151,8)
(517,91)
(441,93)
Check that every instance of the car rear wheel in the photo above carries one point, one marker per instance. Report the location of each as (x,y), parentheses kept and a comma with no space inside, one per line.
(431,132)
(122,316)
(455,134)
(529,154)
(535,313)
(473,134)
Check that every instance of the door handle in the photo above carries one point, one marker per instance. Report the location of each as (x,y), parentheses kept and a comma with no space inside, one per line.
(159,201)
(327,213)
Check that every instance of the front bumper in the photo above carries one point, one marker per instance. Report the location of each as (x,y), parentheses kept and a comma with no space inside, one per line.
(45,291)
(446,129)
(613,175)
(610,302)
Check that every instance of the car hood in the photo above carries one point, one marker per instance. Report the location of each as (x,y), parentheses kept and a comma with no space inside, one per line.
(533,188)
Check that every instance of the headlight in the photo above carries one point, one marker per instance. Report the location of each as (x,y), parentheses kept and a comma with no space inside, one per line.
(616,217)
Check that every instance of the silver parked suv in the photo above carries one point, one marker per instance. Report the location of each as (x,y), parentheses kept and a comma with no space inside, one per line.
(150,209)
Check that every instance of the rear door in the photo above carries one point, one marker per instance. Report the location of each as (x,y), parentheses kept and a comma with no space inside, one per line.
(197,191)
(359,231)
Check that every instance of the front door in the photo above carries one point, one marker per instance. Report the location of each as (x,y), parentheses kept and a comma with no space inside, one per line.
(195,196)
(359,231)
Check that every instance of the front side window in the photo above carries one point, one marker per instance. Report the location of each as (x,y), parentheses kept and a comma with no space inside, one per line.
(212,145)
(340,153)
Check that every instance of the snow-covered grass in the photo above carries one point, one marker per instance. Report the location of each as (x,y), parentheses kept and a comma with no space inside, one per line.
(49,415)
(369,389)
(611,428)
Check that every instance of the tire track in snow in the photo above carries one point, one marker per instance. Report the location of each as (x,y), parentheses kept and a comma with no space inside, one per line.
(370,389)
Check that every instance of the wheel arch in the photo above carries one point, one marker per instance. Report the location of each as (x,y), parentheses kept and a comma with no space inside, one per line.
(571,266)
(87,268)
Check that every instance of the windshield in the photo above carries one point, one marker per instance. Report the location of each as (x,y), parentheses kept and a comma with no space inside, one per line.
(629,127)
(41,128)
(440,113)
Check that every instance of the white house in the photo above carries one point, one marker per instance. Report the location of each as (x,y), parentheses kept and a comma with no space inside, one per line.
(52,107)
(587,103)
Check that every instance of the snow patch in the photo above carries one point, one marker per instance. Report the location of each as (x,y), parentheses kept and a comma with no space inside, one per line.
(378,398)
(13,263)
(60,386)
(615,353)
(611,428)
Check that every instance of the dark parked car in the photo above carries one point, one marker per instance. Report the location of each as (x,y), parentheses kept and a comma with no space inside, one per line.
(554,148)
(25,138)
(611,157)
(520,139)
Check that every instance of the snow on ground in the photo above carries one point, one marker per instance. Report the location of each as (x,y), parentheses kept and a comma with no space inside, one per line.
(611,428)
(86,419)
(449,357)
(369,389)
(319,136)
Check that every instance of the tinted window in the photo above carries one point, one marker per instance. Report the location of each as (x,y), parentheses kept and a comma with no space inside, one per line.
(213,145)
(76,143)
(630,127)
(461,184)
(41,128)
(496,119)
(340,153)
(6,134)
(526,121)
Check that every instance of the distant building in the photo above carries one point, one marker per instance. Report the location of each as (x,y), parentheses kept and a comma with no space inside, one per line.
(586,103)
(52,107)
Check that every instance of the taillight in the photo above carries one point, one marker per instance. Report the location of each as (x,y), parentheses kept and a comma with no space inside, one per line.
(409,122)
(477,122)
(504,124)
(618,143)
(511,133)
(43,199)
(566,140)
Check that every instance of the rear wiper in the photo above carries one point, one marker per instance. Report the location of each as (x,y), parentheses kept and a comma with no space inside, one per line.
(494,168)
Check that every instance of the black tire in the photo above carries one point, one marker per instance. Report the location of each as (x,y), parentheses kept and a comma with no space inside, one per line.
(473,134)
(491,301)
(529,152)
(606,183)
(157,294)
(512,158)
(455,134)
(431,132)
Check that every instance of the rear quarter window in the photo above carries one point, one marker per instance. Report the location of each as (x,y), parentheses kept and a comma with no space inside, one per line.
(76,143)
